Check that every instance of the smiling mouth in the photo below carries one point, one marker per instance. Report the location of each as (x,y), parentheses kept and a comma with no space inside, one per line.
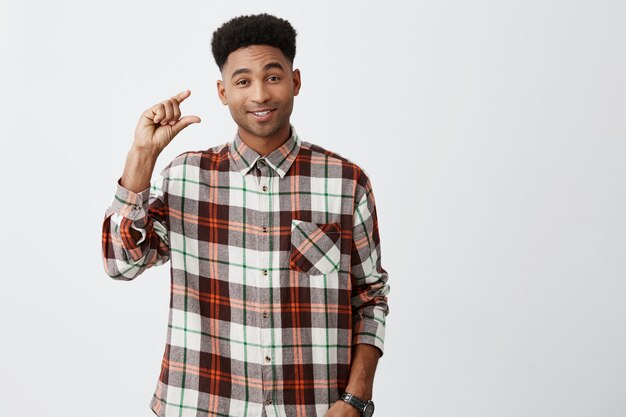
(262,113)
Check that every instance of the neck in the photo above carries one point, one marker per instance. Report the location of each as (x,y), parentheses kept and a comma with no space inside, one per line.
(266,145)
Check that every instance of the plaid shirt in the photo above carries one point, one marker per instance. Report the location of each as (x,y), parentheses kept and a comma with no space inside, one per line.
(275,275)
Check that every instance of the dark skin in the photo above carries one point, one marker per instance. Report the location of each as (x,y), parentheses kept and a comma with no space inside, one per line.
(361,381)
(260,77)
(258,85)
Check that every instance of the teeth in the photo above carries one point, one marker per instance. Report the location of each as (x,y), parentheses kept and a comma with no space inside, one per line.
(262,113)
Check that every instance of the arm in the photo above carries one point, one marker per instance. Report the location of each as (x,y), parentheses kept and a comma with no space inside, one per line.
(369,301)
(137,173)
(134,231)
(369,278)
(362,370)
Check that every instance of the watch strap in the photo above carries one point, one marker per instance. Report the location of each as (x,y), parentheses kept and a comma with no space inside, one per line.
(356,402)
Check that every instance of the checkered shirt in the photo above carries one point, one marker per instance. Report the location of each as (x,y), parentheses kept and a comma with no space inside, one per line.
(275,275)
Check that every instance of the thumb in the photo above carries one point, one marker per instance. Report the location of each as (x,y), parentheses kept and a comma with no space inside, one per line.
(183,122)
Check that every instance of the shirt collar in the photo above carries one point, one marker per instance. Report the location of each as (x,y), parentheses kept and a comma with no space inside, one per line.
(280,159)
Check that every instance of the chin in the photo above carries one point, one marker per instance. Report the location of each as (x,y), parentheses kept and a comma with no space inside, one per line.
(263,132)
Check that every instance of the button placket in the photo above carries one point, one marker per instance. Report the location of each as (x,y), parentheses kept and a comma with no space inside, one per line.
(263,218)
(267,275)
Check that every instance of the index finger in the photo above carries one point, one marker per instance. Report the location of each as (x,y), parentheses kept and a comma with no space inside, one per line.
(181,96)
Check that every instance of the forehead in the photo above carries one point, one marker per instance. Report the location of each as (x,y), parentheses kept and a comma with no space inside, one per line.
(254,57)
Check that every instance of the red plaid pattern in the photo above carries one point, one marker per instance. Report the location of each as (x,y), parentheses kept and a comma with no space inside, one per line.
(275,274)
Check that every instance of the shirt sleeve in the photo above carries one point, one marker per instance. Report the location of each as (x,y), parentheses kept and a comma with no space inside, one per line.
(369,279)
(125,257)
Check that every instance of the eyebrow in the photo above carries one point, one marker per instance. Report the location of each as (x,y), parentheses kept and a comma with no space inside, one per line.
(265,68)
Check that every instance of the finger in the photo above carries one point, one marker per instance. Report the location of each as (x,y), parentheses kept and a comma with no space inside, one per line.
(176,110)
(169,112)
(181,96)
(184,122)
(156,113)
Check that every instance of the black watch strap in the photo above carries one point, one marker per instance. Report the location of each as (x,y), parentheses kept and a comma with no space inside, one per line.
(366,408)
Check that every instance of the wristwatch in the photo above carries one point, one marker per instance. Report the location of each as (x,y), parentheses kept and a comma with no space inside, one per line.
(366,408)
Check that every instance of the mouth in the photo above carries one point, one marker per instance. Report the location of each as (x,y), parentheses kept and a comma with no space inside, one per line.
(262,113)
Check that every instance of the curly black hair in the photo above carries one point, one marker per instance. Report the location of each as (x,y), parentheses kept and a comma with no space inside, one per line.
(259,29)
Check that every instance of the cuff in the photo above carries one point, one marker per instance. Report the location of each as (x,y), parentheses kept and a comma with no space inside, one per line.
(129,204)
(369,331)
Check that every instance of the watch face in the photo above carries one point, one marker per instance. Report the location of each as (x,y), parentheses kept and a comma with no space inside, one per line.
(368,411)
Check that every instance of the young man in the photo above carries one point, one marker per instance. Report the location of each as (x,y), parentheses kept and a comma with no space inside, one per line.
(278,296)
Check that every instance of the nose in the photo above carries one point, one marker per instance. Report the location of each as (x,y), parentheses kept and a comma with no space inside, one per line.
(260,93)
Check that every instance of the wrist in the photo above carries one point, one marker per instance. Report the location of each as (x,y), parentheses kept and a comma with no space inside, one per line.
(362,391)
(347,410)
(143,154)
(138,170)
(363,407)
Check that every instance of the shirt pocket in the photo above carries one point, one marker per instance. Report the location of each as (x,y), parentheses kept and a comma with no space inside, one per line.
(315,248)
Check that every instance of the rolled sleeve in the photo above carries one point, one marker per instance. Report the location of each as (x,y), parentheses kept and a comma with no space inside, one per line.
(125,254)
(129,204)
(129,210)
(369,279)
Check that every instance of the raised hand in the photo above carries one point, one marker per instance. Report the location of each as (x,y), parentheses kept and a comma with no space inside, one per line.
(159,124)
(156,128)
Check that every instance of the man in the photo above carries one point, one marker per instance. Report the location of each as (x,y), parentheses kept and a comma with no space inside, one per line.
(278,297)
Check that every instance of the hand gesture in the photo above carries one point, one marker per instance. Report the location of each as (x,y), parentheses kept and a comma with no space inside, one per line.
(159,124)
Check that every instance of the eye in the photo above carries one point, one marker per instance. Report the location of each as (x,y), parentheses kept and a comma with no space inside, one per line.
(242,82)
(273,78)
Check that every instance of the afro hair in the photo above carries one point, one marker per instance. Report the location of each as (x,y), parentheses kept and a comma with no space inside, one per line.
(260,29)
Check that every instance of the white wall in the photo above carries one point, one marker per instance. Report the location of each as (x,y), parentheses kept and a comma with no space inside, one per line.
(493,131)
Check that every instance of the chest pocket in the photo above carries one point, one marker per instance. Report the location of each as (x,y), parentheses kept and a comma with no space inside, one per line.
(315,248)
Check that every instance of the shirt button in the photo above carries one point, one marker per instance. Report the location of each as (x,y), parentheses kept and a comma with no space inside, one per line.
(265,272)
(268,359)
(264,229)
(266,314)
(265,188)
(268,402)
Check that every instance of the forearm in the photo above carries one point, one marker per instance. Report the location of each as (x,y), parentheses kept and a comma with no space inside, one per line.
(362,370)
(138,170)
(135,235)
(137,174)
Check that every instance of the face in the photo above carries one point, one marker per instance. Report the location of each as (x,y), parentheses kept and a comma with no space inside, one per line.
(258,86)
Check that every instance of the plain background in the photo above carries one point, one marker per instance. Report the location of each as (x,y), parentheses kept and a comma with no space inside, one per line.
(493,131)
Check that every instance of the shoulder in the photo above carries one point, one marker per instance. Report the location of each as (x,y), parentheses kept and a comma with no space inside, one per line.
(199,158)
(321,155)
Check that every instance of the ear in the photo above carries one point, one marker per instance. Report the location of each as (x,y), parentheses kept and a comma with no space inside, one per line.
(297,83)
(221,92)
